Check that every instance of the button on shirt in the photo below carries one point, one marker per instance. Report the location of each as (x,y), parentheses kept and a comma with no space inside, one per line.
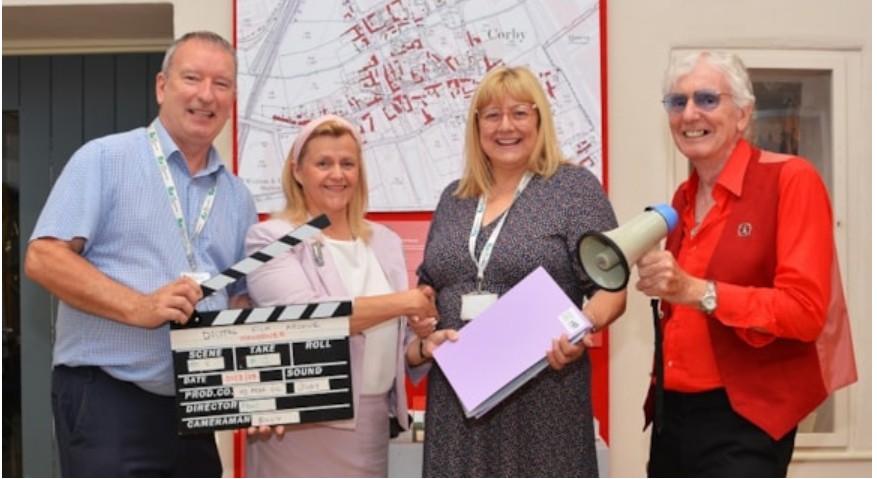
(111,193)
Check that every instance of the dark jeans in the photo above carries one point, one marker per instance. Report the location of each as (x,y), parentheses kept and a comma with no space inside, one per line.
(111,428)
(704,437)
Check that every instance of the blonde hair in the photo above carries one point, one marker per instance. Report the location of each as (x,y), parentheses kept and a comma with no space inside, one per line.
(296,210)
(519,83)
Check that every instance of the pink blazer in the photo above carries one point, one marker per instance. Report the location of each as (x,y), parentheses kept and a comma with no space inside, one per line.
(296,277)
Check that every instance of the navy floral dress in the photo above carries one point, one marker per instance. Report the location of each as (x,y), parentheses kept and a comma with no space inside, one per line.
(545,429)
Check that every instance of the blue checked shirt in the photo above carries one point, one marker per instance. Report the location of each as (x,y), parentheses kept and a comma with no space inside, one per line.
(111,193)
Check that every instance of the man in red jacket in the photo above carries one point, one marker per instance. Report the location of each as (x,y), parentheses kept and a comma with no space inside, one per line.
(754,332)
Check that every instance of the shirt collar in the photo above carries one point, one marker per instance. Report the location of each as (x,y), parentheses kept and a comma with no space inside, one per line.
(734,171)
(732,174)
(173,154)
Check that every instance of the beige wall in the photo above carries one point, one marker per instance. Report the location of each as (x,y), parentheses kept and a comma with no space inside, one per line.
(643,169)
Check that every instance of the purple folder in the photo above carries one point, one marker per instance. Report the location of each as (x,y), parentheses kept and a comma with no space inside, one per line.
(506,345)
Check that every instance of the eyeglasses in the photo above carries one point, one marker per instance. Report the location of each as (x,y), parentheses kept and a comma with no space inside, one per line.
(706,100)
(519,114)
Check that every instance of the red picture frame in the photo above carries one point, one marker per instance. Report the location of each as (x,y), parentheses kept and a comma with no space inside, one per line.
(420,220)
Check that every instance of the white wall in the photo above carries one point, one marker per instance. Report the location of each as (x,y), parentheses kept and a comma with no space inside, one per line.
(643,171)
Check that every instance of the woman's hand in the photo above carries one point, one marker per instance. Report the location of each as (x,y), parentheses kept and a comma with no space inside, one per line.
(422,350)
(264,433)
(241,301)
(423,318)
(422,327)
(564,352)
(436,339)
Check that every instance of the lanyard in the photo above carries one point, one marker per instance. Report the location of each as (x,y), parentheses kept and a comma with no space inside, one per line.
(175,200)
(482,261)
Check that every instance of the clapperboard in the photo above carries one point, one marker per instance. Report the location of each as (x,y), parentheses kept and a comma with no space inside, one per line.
(263,366)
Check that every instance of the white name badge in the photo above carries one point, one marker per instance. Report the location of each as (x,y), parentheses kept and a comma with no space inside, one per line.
(475,303)
(198,276)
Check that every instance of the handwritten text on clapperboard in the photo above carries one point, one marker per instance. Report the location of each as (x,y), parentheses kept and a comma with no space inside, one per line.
(285,372)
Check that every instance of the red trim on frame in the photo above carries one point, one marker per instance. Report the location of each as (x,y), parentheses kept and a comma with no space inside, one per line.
(234,108)
(400,216)
(604,100)
(600,355)
(239,438)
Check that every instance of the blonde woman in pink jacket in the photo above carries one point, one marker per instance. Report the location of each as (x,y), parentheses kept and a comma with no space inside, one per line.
(351,259)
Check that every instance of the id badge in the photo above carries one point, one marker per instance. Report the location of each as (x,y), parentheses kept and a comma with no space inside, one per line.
(475,303)
(198,276)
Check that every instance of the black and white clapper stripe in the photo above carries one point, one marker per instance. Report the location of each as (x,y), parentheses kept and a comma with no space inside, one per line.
(257,259)
(232,317)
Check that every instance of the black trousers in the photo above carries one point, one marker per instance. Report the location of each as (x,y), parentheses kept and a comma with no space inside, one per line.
(704,437)
(111,428)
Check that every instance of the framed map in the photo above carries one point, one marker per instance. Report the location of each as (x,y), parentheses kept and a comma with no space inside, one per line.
(404,71)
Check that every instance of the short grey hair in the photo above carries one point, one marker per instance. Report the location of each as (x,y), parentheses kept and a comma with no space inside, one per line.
(203,35)
(729,64)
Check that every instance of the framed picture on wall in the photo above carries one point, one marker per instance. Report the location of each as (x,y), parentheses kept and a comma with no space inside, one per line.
(404,73)
(793,115)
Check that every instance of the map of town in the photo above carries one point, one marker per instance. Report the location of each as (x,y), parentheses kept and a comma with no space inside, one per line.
(404,71)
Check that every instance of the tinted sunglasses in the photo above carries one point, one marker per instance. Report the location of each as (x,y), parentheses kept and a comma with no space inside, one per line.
(706,100)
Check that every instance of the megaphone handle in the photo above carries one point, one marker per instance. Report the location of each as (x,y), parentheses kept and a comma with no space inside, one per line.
(658,420)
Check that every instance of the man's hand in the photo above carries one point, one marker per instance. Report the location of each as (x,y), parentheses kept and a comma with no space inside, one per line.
(660,276)
(174,302)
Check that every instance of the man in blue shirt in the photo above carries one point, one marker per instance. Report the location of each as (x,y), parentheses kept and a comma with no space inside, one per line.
(133,223)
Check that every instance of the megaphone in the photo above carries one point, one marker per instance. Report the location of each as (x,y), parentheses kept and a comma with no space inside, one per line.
(607,257)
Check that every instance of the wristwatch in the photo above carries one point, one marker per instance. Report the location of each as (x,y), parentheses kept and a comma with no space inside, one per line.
(709,301)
